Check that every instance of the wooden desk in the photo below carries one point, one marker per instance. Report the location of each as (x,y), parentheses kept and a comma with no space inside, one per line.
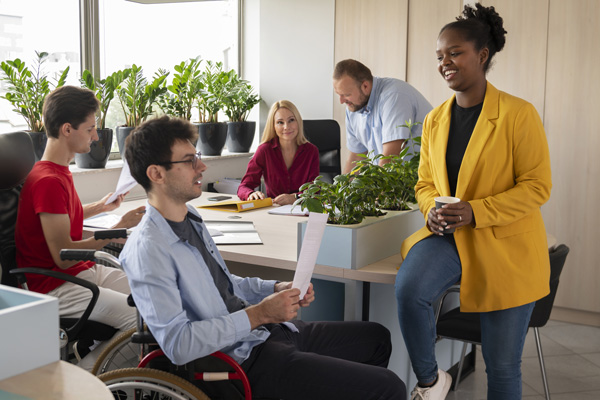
(279,248)
(56,381)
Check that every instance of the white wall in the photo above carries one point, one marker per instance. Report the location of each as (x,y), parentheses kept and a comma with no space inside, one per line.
(287,54)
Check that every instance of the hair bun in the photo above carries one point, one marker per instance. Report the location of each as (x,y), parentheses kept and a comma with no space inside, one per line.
(488,16)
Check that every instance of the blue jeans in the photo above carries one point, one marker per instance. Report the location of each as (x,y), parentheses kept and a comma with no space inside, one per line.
(430,268)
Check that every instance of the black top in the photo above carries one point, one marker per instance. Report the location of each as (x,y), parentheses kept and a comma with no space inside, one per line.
(186,232)
(462,124)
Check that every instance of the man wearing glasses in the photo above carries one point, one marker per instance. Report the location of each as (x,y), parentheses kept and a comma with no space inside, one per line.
(194,306)
(50,218)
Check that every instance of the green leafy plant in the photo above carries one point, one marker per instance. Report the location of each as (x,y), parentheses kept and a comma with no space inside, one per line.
(104,89)
(27,89)
(401,175)
(138,97)
(340,199)
(181,94)
(213,89)
(240,99)
(368,189)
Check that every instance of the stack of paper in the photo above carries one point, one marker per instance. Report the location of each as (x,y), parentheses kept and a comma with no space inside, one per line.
(233,232)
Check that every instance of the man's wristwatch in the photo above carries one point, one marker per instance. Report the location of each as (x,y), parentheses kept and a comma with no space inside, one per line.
(296,196)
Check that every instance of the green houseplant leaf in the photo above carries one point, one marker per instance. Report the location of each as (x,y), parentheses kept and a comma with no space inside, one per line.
(368,188)
(138,97)
(104,89)
(240,99)
(27,89)
(183,91)
(213,88)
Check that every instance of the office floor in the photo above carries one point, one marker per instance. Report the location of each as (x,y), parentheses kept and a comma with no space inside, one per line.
(572,356)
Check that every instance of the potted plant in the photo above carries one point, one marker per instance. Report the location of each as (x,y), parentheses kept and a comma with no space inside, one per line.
(27,89)
(351,240)
(213,88)
(104,90)
(401,174)
(237,105)
(137,97)
(182,93)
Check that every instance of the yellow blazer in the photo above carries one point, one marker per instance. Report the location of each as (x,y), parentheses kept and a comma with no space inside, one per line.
(505,176)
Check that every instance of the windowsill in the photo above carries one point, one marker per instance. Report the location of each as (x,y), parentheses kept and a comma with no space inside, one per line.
(118,163)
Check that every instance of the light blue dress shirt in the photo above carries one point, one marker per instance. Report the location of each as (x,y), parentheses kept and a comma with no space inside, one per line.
(175,293)
(392,102)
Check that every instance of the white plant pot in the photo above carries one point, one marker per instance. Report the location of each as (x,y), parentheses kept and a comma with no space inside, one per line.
(356,246)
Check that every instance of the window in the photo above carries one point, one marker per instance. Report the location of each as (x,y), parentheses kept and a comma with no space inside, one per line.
(44,26)
(157,36)
(153,36)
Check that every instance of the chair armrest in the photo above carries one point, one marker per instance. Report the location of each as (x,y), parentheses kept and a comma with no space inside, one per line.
(73,330)
(451,289)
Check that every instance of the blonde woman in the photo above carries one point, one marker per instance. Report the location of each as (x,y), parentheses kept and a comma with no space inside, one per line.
(285,158)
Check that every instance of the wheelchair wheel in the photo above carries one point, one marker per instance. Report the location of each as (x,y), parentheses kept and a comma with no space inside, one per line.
(149,384)
(120,353)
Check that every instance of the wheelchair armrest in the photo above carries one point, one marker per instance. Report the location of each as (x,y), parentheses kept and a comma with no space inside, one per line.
(110,234)
(73,330)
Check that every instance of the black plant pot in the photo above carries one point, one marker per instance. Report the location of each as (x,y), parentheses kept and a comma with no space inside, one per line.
(211,138)
(122,133)
(99,151)
(39,140)
(240,136)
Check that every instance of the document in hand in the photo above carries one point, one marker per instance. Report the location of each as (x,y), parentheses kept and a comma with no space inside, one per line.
(125,184)
(308,253)
(239,205)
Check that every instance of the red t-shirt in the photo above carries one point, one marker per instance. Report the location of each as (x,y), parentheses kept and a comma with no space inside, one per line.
(48,188)
(268,161)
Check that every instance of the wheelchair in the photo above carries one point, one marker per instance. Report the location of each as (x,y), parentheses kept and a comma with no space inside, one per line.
(16,161)
(149,374)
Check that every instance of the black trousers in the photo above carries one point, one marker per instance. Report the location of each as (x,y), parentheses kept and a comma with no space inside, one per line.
(325,360)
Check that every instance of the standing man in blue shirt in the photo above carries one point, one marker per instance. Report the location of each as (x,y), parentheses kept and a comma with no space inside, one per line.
(194,306)
(375,110)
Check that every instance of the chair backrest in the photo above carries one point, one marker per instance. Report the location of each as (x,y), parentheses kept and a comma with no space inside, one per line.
(543,307)
(16,160)
(325,134)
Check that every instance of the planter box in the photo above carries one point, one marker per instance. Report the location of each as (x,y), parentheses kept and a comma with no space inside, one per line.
(29,336)
(356,246)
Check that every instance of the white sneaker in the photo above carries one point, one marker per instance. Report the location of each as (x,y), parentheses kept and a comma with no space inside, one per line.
(435,392)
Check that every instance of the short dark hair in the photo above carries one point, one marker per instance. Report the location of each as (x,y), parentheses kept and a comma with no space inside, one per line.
(483,27)
(151,143)
(354,69)
(68,104)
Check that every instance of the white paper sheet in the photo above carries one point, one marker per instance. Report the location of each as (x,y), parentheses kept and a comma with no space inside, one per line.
(125,183)
(310,249)
(289,209)
(103,221)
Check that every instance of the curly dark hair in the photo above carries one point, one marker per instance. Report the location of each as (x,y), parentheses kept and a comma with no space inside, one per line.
(151,143)
(483,27)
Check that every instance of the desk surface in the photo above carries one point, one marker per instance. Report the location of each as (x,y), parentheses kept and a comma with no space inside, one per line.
(56,381)
(279,248)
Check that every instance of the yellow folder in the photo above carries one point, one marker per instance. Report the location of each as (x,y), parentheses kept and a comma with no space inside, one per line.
(239,205)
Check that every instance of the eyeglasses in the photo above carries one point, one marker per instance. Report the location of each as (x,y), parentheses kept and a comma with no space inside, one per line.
(194,161)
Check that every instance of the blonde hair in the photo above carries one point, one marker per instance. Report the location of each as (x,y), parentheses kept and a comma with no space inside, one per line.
(269,132)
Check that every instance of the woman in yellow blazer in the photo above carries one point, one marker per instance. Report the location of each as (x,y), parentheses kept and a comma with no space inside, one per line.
(489,149)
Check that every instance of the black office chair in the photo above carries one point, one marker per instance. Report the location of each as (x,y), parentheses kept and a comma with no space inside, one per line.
(16,160)
(325,134)
(465,327)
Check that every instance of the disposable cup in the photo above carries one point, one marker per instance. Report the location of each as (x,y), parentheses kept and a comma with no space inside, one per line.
(440,201)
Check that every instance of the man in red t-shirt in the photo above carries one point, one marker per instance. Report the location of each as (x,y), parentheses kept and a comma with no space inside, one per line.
(50,218)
